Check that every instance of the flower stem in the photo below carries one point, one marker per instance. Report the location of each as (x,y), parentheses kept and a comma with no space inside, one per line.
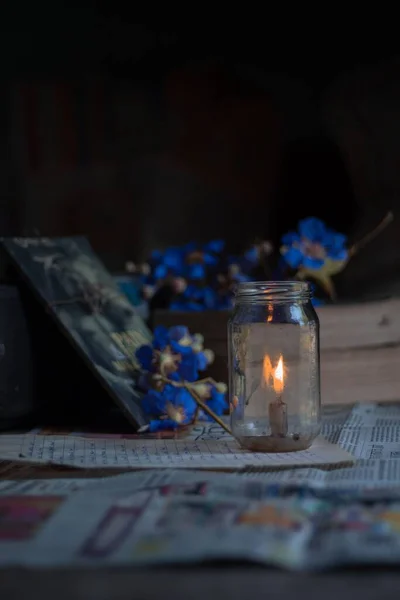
(207,409)
(372,234)
(198,400)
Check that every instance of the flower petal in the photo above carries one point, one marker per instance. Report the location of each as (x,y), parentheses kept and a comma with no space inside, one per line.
(194,306)
(335,242)
(252,255)
(156,255)
(162,425)
(202,362)
(241,277)
(178,305)
(312,263)
(188,367)
(209,259)
(338,254)
(217,402)
(177,332)
(209,298)
(289,238)
(313,229)
(293,257)
(184,398)
(173,258)
(196,272)
(215,246)
(178,348)
(160,337)
(153,403)
(160,271)
(144,354)
(189,247)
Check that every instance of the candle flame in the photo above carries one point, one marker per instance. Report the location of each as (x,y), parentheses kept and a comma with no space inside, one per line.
(278,378)
(273,377)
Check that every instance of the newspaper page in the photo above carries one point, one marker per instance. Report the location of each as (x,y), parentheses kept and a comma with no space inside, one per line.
(169,517)
(371,433)
(42,486)
(213,451)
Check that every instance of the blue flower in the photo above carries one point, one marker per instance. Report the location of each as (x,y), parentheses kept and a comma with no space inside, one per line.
(160,337)
(202,362)
(196,271)
(312,245)
(162,425)
(188,367)
(178,305)
(189,248)
(173,259)
(170,404)
(144,355)
(209,298)
(217,402)
(313,229)
(241,277)
(183,399)
(209,259)
(153,403)
(160,272)
(156,255)
(252,255)
(179,348)
(175,405)
(143,382)
(216,246)
(178,332)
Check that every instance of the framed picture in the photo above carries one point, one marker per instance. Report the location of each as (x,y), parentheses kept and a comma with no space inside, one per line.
(81,295)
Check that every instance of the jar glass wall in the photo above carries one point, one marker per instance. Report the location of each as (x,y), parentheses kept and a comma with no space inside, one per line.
(274,387)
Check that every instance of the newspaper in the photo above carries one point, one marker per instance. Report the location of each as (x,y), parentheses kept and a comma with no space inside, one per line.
(200,454)
(42,486)
(205,448)
(301,519)
(371,433)
(176,517)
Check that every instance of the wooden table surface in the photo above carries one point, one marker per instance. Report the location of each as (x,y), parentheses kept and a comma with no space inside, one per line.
(202,583)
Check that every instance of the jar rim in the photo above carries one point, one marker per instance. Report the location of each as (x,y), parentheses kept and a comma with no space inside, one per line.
(273,290)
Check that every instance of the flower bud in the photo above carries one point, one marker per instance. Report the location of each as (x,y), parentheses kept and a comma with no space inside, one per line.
(145,269)
(130,267)
(201,389)
(209,354)
(221,387)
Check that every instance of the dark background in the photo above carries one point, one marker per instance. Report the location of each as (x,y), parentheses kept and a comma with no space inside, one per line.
(146,132)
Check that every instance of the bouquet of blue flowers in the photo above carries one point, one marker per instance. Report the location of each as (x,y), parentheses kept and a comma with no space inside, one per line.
(197,277)
(175,395)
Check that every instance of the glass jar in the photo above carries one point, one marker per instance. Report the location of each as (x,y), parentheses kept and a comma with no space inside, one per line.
(274,381)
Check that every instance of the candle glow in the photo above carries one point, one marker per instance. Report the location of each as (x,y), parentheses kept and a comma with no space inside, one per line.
(274,377)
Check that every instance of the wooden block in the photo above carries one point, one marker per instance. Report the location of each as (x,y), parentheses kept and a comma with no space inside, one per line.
(362,375)
(360,348)
(369,324)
